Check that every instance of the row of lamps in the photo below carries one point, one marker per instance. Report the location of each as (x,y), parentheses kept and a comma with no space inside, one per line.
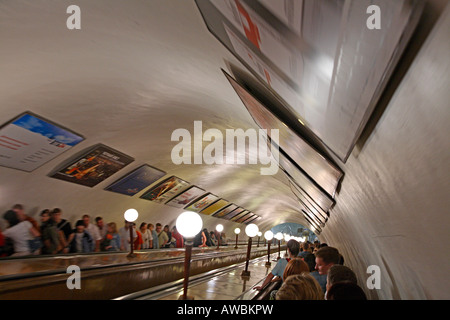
(189,224)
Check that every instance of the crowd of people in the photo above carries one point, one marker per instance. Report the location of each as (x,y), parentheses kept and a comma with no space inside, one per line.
(309,272)
(312,272)
(55,235)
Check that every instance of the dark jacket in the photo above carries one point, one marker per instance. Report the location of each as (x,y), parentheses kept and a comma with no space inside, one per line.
(88,243)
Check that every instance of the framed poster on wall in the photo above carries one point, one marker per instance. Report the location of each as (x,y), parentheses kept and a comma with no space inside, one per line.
(248,218)
(94,166)
(202,203)
(241,214)
(137,180)
(253,219)
(233,213)
(166,190)
(29,141)
(186,197)
(244,217)
(219,204)
(224,211)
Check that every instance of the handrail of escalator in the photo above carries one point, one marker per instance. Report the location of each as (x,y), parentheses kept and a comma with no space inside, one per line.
(264,293)
(199,255)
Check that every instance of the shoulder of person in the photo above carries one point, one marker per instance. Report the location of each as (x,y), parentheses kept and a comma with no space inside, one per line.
(26,223)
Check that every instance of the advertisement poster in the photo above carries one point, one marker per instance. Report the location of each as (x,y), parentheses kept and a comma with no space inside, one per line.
(236,217)
(166,190)
(215,207)
(248,218)
(137,180)
(252,220)
(242,217)
(29,141)
(202,203)
(186,197)
(223,212)
(233,213)
(94,166)
(263,36)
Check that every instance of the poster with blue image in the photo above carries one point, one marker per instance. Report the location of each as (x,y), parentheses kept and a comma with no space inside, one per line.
(29,141)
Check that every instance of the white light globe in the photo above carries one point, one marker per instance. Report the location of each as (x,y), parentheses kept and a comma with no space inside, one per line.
(131,215)
(219,228)
(189,224)
(268,235)
(259,233)
(237,230)
(279,236)
(251,230)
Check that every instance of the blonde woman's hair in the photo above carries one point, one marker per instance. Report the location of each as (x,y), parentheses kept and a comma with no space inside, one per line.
(300,287)
(295,266)
(113,226)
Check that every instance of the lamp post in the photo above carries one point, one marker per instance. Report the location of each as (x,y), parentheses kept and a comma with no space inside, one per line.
(237,231)
(259,236)
(268,235)
(131,215)
(279,236)
(219,229)
(251,230)
(188,224)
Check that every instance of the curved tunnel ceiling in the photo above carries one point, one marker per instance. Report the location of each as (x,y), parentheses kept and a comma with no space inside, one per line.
(134,73)
(138,70)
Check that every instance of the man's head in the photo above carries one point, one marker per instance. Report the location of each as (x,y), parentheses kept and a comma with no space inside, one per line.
(338,273)
(18,208)
(99,222)
(143,226)
(12,217)
(151,226)
(158,227)
(56,215)
(45,215)
(325,258)
(86,220)
(293,248)
(80,226)
(305,246)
